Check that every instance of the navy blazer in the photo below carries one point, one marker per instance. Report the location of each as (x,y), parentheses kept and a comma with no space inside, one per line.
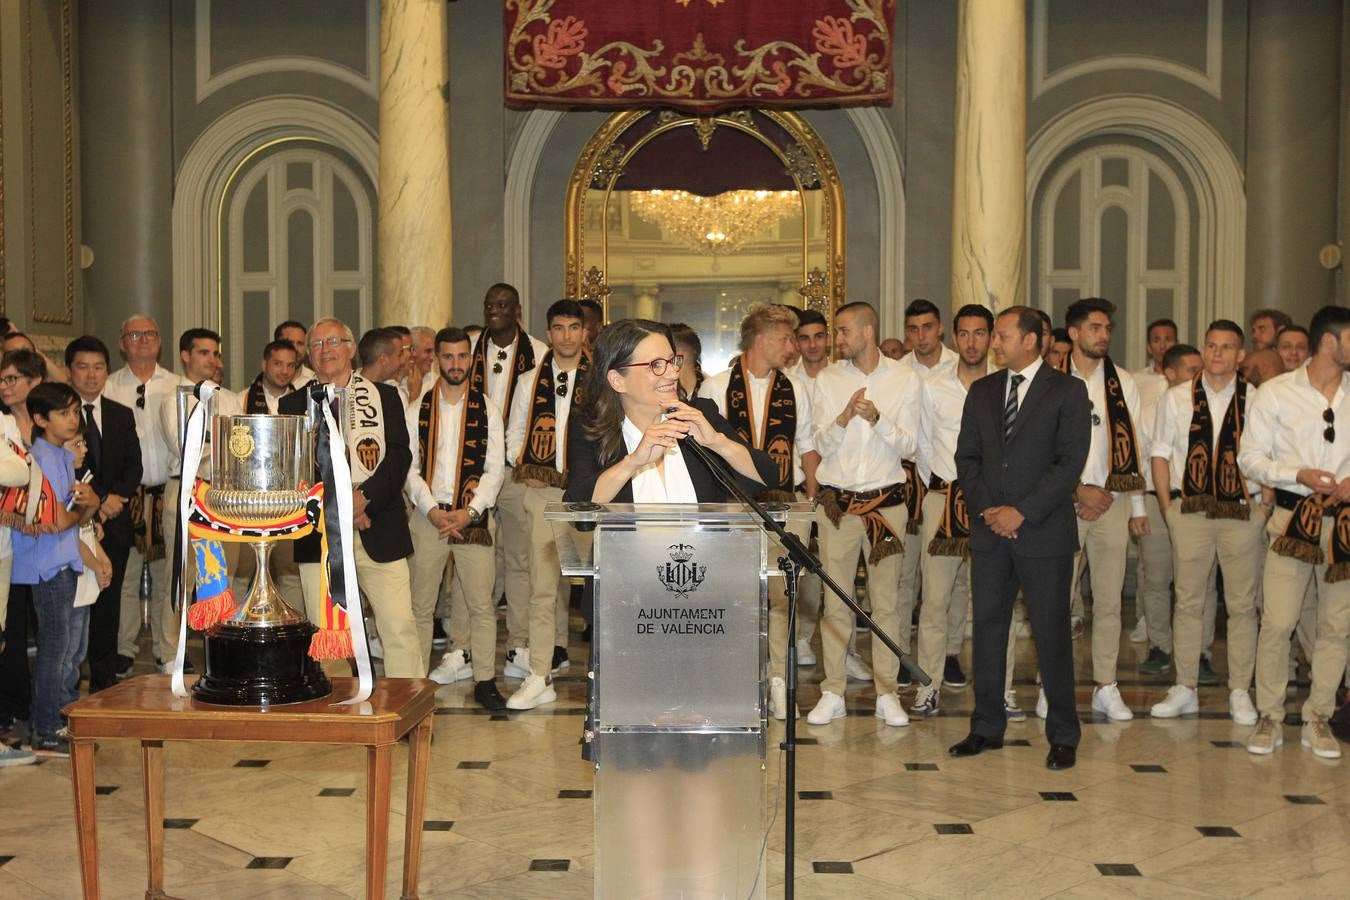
(1036,470)
(584,465)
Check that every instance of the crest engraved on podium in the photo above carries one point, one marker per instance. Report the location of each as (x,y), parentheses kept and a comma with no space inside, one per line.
(682,575)
(241,442)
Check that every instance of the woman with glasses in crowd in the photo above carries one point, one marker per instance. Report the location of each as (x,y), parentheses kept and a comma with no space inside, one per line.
(625,446)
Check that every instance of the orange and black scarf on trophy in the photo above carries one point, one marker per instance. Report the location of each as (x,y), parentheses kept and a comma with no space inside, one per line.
(1213,484)
(953,532)
(517,363)
(539,452)
(881,538)
(473,447)
(1302,538)
(1125,473)
(778,430)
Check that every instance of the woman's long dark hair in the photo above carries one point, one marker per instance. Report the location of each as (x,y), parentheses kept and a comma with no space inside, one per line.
(600,403)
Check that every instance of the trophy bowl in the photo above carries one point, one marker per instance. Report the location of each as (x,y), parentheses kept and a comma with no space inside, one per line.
(260,471)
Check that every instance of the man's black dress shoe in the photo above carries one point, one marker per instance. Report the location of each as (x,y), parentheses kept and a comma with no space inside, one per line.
(1061,756)
(487,695)
(973,744)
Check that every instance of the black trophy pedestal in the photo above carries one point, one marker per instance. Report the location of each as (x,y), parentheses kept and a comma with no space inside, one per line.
(260,666)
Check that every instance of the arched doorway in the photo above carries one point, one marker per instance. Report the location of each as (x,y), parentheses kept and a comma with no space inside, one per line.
(696,218)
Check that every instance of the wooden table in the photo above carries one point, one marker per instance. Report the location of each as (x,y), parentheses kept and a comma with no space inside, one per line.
(144,709)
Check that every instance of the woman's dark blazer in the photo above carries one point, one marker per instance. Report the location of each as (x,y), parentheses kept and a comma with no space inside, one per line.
(584,465)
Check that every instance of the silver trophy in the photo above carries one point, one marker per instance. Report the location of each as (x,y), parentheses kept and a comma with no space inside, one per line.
(261,470)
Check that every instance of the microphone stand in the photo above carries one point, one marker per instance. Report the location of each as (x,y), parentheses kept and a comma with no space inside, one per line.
(797,557)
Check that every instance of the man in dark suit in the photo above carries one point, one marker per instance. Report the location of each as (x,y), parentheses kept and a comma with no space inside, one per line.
(1025,434)
(115,459)
(380,453)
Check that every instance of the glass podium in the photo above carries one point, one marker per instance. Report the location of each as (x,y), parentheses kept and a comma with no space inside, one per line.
(679,656)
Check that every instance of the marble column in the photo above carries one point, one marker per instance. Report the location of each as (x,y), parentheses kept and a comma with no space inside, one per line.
(414,222)
(989,185)
(126,164)
(647,305)
(1293,133)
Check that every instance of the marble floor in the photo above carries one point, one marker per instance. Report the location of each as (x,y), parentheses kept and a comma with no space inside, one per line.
(1153,809)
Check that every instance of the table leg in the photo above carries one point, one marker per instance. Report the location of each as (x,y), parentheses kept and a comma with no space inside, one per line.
(82,778)
(378,765)
(419,754)
(152,768)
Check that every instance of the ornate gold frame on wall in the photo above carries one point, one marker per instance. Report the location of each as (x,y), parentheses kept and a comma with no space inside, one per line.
(803,154)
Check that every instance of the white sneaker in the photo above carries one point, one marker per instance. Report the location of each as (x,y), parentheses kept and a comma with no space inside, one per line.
(1106,700)
(804,655)
(830,707)
(1014,712)
(517,663)
(778,700)
(1042,705)
(1266,737)
(891,711)
(1181,701)
(855,667)
(454,666)
(1317,737)
(1241,709)
(535,690)
(1140,633)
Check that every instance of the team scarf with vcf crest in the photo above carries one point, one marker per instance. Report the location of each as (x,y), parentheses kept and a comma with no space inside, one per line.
(539,451)
(472,450)
(1302,537)
(778,425)
(1125,474)
(1213,483)
(515,362)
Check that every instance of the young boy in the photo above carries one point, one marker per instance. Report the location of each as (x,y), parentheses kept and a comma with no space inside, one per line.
(48,558)
(96,576)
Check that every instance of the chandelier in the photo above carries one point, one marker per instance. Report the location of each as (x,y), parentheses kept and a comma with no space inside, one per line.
(718,224)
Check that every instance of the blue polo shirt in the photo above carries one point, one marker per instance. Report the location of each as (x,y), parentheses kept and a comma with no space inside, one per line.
(40,558)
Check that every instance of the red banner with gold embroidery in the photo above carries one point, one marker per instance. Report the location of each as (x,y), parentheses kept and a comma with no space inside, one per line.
(698,55)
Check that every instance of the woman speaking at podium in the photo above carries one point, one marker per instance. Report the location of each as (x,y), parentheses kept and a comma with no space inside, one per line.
(624,440)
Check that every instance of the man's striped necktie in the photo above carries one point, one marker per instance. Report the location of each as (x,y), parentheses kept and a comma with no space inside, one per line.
(1010,408)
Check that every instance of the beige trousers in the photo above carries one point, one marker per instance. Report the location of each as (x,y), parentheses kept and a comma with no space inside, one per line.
(1103,544)
(1286,580)
(471,584)
(387,590)
(1237,545)
(548,591)
(513,556)
(778,611)
(946,594)
(839,548)
(1153,578)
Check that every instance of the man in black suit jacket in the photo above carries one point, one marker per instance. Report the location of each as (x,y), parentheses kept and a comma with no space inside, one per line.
(114,457)
(380,517)
(1025,434)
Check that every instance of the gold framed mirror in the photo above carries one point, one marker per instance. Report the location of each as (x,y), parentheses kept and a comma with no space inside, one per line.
(696,218)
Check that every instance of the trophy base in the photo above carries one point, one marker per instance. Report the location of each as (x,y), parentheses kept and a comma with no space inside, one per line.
(252,666)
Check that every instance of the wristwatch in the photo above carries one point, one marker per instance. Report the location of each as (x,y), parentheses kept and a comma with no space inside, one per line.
(475,517)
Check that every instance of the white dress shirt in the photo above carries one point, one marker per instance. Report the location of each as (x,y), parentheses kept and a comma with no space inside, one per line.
(863,456)
(444,487)
(520,414)
(228,403)
(497,383)
(947,357)
(714,388)
(942,403)
(1172,430)
(1151,385)
(1028,375)
(1285,432)
(664,482)
(271,399)
(303,376)
(122,386)
(1098,466)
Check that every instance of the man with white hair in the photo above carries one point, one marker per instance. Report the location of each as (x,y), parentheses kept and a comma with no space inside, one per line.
(141,386)
(421,373)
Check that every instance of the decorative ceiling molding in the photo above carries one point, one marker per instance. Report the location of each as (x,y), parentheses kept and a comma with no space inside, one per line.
(1210,80)
(208,82)
(1204,158)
